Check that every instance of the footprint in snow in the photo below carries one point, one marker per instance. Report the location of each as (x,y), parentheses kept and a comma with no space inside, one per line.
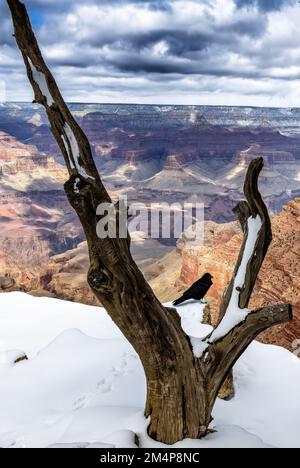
(106,385)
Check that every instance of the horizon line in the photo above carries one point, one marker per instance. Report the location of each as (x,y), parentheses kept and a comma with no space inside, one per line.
(158,105)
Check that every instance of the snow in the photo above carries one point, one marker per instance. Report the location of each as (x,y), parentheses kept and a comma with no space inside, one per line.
(75,152)
(191,314)
(84,386)
(234,315)
(40,80)
(9,358)
(76,189)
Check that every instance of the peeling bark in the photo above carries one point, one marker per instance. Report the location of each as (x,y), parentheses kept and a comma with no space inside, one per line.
(182,389)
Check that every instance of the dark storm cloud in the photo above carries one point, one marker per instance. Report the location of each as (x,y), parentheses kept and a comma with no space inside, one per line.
(179,42)
(265,5)
(138,64)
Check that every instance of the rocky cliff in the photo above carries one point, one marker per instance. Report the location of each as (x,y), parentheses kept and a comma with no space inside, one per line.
(24,168)
(65,276)
(36,220)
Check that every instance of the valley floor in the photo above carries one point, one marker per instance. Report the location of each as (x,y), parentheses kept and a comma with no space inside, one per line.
(83,385)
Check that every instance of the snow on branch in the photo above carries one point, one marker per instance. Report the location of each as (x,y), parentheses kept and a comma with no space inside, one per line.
(72,148)
(41,82)
(234,314)
(238,326)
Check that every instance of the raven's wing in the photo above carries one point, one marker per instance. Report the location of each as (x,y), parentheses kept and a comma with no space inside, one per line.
(185,297)
(199,289)
(194,288)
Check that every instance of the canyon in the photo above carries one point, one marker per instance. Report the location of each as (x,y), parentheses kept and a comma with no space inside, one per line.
(173,153)
(153,155)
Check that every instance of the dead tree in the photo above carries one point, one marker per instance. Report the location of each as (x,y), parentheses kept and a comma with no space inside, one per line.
(182,387)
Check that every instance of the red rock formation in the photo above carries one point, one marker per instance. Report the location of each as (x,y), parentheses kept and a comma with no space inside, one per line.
(198,260)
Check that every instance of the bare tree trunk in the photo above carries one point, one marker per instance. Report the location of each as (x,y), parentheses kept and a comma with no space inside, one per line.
(182,388)
(226,392)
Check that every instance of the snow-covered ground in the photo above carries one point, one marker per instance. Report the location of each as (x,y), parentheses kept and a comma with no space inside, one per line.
(84,386)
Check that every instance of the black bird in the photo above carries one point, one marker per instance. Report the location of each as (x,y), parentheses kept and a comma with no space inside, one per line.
(197,291)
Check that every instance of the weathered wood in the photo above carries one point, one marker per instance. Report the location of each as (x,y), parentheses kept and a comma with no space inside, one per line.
(254,206)
(181,388)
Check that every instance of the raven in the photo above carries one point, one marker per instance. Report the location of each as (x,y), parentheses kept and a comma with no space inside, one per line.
(197,291)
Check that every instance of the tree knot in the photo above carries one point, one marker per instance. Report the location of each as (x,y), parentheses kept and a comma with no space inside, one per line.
(78,192)
(98,279)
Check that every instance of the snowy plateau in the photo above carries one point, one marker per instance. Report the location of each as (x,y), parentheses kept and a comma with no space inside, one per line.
(83,385)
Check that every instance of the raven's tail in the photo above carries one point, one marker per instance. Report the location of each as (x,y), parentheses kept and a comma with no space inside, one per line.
(179,301)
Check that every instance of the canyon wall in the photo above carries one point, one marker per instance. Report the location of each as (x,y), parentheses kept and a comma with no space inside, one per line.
(36,220)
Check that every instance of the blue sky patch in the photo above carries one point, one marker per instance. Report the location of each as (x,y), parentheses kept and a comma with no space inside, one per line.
(36,17)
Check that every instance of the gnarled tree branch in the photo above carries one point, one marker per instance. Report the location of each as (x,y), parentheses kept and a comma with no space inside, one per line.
(253,208)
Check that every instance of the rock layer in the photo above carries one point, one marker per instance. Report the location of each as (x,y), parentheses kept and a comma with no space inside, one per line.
(36,220)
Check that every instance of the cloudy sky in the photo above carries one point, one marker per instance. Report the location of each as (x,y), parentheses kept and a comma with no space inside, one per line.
(226,52)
